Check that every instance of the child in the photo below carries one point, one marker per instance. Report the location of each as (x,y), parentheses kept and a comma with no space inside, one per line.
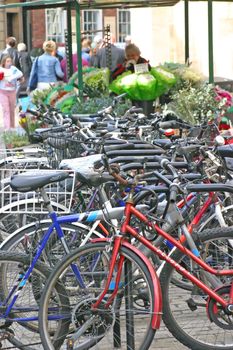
(8,86)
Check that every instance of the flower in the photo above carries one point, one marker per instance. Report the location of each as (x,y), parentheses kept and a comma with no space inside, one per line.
(199,104)
(1,75)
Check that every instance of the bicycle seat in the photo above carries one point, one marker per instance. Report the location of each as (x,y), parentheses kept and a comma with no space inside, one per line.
(225,151)
(163,143)
(81,163)
(93,179)
(29,181)
(84,168)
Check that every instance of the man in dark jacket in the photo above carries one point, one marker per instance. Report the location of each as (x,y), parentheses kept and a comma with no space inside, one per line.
(117,56)
(11,51)
(25,64)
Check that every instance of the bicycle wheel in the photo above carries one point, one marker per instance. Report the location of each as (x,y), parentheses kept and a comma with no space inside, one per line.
(192,319)
(26,240)
(23,335)
(105,328)
(212,221)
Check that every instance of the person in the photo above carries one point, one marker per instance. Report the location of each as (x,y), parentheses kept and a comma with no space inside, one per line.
(8,85)
(117,55)
(128,40)
(95,46)
(56,53)
(47,66)
(75,65)
(11,51)
(25,64)
(86,47)
(132,57)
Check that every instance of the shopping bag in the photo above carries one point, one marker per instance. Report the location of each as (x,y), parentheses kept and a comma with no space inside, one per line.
(34,78)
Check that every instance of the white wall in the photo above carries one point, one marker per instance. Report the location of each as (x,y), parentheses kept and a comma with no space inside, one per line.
(159,33)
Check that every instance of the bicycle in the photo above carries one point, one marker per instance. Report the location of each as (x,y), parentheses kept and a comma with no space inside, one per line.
(59,243)
(109,287)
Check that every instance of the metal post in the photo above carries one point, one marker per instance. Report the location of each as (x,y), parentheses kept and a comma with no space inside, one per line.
(108,47)
(79,49)
(210,41)
(186,30)
(130,340)
(69,40)
(25,27)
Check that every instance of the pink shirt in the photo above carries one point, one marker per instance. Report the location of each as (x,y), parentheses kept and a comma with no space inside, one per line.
(75,65)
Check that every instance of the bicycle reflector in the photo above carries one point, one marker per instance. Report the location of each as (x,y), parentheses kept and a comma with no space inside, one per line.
(169,132)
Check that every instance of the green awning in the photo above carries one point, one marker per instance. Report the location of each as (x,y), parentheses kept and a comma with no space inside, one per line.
(125,3)
(98,4)
(91,4)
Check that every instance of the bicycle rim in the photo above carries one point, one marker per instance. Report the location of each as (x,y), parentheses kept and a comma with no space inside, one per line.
(185,312)
(22,335)
(105,328)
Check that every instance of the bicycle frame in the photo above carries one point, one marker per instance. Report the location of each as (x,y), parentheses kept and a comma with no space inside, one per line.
(56,221)
(121,239)
(95,216)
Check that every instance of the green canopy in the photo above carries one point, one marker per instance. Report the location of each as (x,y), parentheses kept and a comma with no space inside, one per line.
(90,4)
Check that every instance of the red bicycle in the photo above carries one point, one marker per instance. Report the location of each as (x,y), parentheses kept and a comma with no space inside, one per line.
(107,294)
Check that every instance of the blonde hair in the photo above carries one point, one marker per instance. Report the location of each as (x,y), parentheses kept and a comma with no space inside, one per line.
(49,46)
(132,48)
(21,47)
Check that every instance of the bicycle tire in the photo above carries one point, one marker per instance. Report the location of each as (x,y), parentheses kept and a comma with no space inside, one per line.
(186,318)
(212,221)
(22,337)
(92,336)
(26,236)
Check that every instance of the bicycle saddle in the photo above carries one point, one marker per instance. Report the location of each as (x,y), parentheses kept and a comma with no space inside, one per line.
(84,168)
(29,181)
(225,151)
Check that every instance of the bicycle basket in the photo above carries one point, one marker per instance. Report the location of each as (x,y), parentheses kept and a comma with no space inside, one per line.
(60,194)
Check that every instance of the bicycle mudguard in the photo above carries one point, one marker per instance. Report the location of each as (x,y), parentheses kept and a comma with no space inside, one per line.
(157,308)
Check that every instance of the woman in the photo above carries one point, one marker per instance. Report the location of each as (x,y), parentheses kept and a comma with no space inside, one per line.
(47,67)
(132,57)
(75,65)
(8,86)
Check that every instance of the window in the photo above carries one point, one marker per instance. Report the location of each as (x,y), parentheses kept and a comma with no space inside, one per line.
(55,25)
(92,21)
(124,27)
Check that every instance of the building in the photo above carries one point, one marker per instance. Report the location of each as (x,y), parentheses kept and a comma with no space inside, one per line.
(51,23)
(11,23)
(159,32)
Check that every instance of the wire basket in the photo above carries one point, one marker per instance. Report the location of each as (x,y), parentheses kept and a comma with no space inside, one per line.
(60,194)
(65,145)
(28,157)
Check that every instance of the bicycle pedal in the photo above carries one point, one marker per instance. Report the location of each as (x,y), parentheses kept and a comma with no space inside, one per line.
(191,304)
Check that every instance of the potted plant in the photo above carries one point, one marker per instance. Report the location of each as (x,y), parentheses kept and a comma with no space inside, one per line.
(15,139)
(198,104)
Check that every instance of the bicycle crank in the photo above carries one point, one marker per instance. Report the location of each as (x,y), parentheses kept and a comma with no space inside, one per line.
(88,323)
